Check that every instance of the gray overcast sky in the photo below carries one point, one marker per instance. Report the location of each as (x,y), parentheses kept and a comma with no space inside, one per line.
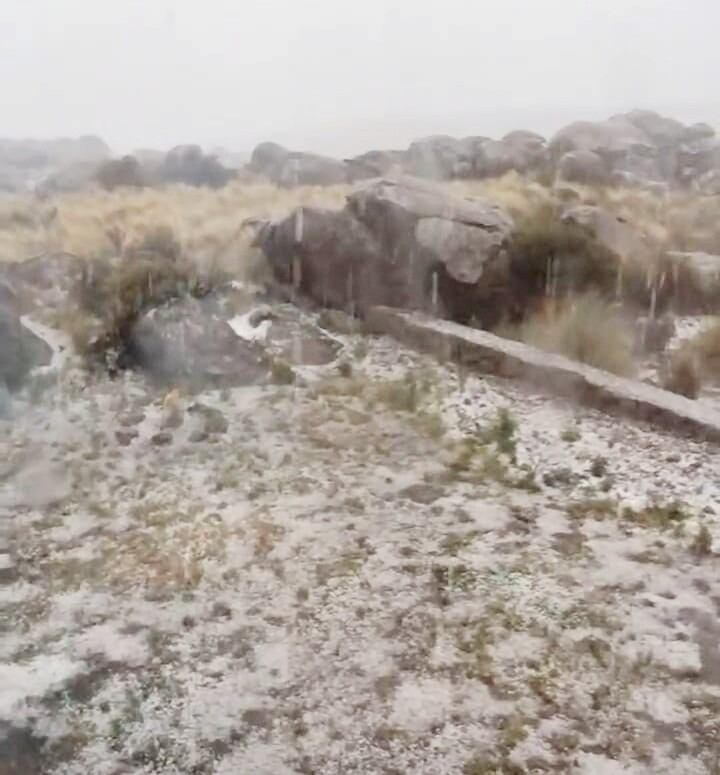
(341,77)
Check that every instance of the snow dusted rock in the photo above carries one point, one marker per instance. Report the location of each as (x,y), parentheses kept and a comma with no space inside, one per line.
(191,339)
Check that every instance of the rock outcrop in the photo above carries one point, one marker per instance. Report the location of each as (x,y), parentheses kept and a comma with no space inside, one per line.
(188,164)
(294,168)
(123,172)
(392,243)
(20,349)
(190,339)
(640,148)
(26,164)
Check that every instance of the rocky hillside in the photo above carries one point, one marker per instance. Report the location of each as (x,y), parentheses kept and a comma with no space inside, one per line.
(640,148)
(244,530)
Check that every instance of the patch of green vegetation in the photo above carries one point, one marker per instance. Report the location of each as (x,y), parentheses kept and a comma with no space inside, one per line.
(513,732)
(454,543)
(398,395)
(506,615)
(542,684)
(281,373)
(465,452)
(474,646)
(570,435)
(487,765)
(659,516)
(453,577)
(580,262)
(502,433)
(592,508)
(429,424)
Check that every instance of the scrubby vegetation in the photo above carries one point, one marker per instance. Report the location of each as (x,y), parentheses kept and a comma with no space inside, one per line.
(705,347)
(114,293)
(683,373)
(550,257)
(585,328)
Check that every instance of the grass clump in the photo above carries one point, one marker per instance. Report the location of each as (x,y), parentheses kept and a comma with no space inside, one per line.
(682,375)
(114,293)
(547,253)
(570,435)
(592,508)
(281,373)
(657,515)
(474,646)
(398,395)
(430,424)
(502,433)
(586,329)
(701,545)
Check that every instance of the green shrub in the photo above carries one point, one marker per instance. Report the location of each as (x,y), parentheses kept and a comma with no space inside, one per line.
(502,433)
(546,251)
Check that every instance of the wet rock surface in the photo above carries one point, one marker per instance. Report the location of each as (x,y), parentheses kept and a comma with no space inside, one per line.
(387,243)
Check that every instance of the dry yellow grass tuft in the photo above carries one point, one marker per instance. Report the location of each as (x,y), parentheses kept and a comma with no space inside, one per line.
(705,348)
(583,328)
(206,224)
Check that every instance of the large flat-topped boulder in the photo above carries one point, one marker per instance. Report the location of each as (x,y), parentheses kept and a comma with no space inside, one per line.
(500,357)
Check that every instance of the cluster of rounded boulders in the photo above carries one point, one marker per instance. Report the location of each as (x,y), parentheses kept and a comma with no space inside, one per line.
(640,148)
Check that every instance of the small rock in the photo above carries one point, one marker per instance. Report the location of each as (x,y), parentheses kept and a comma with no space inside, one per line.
(221,610)
(124,438)
(162,439)
(171,420)
(422,493)
(8,571)
(197,436)
(338,322)
(130,419)
(214,420)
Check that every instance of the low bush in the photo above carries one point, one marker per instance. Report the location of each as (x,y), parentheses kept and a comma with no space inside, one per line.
(113,293)
(548,255)
(117,173)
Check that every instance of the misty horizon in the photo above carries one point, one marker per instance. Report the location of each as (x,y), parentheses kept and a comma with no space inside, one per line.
(341,79)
